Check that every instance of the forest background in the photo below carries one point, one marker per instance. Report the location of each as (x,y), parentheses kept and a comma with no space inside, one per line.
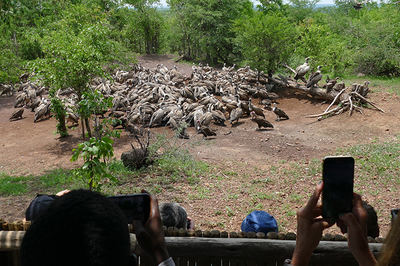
(344,40)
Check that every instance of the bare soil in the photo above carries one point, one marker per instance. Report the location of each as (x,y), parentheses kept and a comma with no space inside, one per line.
(29,148)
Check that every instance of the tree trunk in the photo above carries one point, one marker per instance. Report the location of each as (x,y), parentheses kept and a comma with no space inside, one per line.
(88,127)
(63,127)
(83,128)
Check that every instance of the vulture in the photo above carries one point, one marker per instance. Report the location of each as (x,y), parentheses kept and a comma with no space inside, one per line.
(206,131)
(42,111)
(302,70)
(314,78)
(358,5)
(255,109)
(17,115)
(236,114)
(280,114)
(330,83)
(261,122)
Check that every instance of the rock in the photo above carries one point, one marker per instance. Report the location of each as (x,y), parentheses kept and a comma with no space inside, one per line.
(135,159)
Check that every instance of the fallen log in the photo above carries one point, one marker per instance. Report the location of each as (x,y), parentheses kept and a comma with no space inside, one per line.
(348,99)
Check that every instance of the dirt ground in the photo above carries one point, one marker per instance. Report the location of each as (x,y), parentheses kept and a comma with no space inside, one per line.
(32,148)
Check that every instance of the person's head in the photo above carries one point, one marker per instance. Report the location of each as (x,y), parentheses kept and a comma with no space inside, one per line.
(390,254)
(173,215)
(79,228)
(38,207)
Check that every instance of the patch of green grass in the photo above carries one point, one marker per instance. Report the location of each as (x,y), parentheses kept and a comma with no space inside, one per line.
(377,161)
(218,212)
(230,173)
(179,164)
(10,185)
(58,179)
(388,84)
(296,198)
(199,193)
(262,196)
(229,211)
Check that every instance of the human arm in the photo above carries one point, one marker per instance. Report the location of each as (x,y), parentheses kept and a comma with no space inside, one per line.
(150,235)
(309,228)
(355,224)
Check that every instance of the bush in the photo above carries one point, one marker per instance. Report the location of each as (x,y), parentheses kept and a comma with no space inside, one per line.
(266,40)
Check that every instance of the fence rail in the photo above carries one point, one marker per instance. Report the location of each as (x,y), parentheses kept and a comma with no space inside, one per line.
(201,251)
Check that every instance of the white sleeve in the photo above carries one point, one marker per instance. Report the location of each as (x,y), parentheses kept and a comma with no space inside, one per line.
(167,262)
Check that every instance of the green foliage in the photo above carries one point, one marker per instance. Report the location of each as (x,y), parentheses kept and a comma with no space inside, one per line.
(95,153)
(93,102)
(272,6)
(265,40)
(323,47)
(10,63)
(58,109)
(204,28)
(301,9)
(10,185)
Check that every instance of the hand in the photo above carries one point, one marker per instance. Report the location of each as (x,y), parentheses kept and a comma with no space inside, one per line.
(355,224)
(309,228)
(150,235)
(61,193)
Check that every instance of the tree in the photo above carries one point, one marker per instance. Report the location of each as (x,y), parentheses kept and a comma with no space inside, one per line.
(205,27)
(75,51)
(301,9)
(143,27)
(98,150)
(273,6)
(266,40)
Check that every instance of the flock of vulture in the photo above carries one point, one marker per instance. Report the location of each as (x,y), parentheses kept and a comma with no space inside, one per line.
(157,97)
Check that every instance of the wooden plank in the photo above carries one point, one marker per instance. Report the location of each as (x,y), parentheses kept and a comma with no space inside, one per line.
(225,262)
(237,262)
(11,240)
(334,252)
(204,261)
(215,261)
(181,261)
(192,261)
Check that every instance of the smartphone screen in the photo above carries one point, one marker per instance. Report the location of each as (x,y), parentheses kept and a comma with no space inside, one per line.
(134,206)
(337,194)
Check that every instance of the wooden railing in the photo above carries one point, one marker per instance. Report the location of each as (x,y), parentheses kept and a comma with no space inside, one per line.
(206,251)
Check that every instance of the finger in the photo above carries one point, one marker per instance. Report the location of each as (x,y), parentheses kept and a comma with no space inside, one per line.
(357,201)
(322,224)
(154,211)
(312,202)
(316,212)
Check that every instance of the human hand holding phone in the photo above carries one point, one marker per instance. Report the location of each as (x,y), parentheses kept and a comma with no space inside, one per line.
(149,233)
(355,225)
(309,228)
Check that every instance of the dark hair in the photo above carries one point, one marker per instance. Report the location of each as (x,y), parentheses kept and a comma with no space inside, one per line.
(173,215)
(79,228)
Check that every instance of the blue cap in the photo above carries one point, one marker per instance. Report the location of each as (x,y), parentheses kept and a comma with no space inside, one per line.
(259,221)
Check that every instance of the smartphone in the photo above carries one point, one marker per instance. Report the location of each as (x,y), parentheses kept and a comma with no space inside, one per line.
(337,193)
(134,206)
